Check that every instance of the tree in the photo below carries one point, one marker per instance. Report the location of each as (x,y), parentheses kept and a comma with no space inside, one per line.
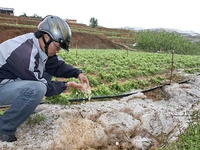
(93,22)
(23,15)
(35,16)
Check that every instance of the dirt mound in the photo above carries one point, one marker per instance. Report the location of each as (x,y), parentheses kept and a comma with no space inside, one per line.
(8,32)
(79,39)
(83,36)
(91,41)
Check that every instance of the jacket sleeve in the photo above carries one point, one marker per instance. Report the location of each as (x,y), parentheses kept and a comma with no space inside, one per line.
(23,72)
(25,66)
(55,88)
(57,67)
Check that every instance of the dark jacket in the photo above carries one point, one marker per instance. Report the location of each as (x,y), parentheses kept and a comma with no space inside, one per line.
(21,58)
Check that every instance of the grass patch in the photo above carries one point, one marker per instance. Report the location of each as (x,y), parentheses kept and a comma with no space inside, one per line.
(188,139)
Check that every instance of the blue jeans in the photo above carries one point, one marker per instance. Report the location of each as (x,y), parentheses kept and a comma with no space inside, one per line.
(24,96)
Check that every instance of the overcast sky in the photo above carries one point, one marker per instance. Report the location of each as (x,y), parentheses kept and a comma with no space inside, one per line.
(176,14)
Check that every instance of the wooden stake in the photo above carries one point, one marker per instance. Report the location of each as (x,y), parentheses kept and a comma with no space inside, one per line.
(172,67)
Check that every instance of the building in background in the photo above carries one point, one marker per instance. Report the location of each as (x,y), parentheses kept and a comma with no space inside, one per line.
(7,11)
(71,21)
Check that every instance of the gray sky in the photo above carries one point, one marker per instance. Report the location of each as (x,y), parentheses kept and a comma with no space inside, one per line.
(176,14)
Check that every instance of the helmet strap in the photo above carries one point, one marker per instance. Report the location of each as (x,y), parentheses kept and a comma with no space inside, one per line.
(46,44)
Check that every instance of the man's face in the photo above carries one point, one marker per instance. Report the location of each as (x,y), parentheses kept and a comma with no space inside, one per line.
(54,47)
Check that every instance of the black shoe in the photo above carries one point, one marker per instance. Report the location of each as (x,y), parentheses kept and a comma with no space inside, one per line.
(7,138)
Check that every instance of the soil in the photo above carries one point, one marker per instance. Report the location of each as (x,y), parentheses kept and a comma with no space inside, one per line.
(79,39)
(12,26)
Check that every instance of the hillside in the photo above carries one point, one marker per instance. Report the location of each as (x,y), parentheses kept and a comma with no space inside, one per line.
(189,35)
(83,37)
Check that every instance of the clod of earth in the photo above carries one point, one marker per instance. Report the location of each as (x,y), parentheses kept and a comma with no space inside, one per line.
(133,122)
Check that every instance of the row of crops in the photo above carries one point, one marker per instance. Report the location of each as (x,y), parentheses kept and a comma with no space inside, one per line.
(112,72)
(33,22)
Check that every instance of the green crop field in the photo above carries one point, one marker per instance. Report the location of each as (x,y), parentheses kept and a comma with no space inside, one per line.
(112,72)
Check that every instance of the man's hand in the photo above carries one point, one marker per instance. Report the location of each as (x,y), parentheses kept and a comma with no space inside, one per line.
(84,85)
(74,85)
(83,79)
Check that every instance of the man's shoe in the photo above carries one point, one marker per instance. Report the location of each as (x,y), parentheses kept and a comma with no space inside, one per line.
(7,138)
